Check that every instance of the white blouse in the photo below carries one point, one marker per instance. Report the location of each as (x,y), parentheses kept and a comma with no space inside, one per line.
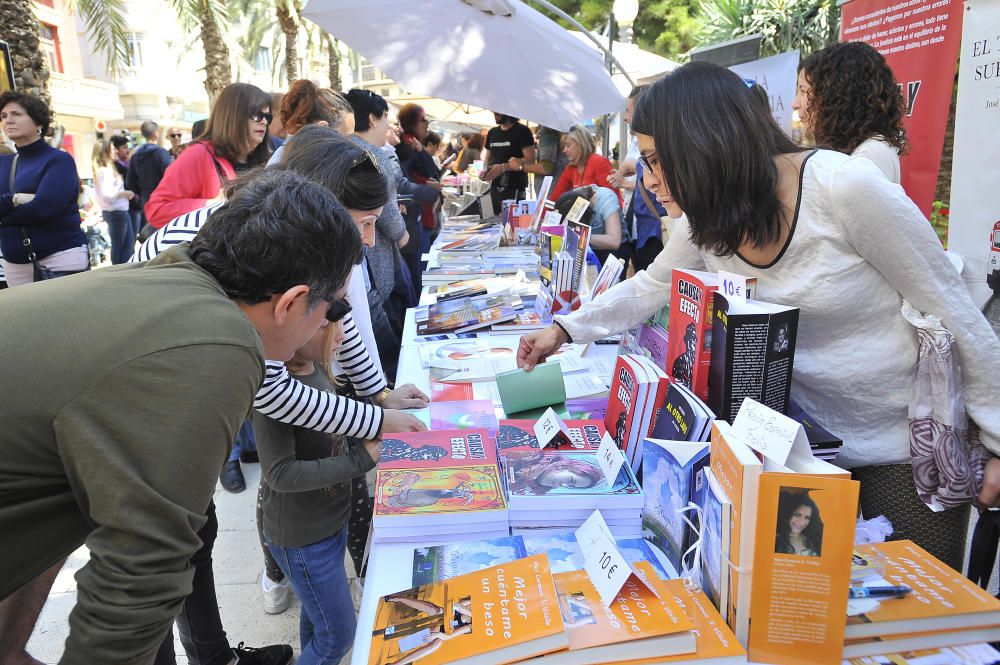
(857,248)
(882,155)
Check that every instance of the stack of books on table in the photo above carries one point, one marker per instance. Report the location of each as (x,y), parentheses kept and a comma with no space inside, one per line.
(467,313)
(519,435)
(530,317)
(638,391)
(824,445)
(557,490)
(439,485)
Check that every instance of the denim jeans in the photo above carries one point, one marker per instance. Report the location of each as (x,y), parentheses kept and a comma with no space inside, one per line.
(122,235)
(326,620)
(245,440)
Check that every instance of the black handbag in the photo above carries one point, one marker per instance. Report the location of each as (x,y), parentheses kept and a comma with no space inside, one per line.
(39,272)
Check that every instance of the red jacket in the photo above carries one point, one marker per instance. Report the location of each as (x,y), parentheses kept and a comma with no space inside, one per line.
(188,183)
(595,172)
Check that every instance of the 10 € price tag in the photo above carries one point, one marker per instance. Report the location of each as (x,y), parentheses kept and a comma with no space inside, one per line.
(550,427)
(607,568)
(610,457)
(736,287)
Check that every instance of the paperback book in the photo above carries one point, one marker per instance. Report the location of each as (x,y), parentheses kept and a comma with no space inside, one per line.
(690,333)
(442,562)
(717,512)
(437,448)
(626,406)
(565,555)
(520,435)
(471,414)
(413,497)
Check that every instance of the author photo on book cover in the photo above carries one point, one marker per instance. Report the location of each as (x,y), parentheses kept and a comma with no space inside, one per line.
(800,529)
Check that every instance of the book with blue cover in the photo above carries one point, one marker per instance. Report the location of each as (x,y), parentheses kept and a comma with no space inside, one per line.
(565,555)
(669,470)
(716,515)
(442,562)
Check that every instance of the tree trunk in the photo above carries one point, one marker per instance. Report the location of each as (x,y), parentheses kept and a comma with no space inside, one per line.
(288,19)
(333,53)
(19,28)
(218,70)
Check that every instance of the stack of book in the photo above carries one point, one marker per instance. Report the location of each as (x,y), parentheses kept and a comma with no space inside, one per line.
(532,316)
(465,314)
(825,446)
(682,417)
(519,435)
(559,489)
(638,391)
(439,485)
(690,329)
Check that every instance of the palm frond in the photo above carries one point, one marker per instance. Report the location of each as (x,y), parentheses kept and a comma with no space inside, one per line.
(107,27)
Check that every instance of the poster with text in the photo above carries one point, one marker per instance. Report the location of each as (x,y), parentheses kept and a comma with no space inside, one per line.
(975,173)
(777,75)
(919,39)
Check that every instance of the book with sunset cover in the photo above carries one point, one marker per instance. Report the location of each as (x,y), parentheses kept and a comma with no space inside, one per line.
(410,497)
(437,448)
(502,614)
(637,623)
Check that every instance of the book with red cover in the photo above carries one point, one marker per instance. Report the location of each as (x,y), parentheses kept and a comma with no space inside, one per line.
(452,448)
(626,406)
(520,435)
(689,338)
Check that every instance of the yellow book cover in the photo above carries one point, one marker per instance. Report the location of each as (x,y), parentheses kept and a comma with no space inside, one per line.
(497,615)
(942,599)
(467,490)
(716,643)
(637,623)
(801,568)
(737,469)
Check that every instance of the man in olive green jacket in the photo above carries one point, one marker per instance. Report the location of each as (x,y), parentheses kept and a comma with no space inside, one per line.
(122,390)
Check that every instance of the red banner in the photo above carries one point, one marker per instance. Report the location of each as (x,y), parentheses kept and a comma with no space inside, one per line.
(920,40)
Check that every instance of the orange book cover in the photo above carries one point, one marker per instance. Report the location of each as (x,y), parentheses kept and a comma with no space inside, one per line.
(942,599)
(637,622)
(716,643)
(876,646)
(801,568)
(737,469)
(445,490)
(497,615)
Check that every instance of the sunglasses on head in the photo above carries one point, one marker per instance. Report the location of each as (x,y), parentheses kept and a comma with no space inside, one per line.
(338,310)
(260,115)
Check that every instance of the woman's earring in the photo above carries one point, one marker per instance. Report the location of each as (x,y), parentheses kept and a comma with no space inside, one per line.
(39,130)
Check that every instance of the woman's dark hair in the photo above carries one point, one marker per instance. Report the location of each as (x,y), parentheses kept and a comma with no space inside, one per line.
(279,230)
(476,141)
(788,503)
(228,126)
(565,202)
(198,128)
(854,97)
(432,138)
(36,109)
(365,102)
(306,103)
(408,117)
(346,169)
(716,147)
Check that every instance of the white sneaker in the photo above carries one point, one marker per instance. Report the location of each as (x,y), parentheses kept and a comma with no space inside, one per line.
(276,594)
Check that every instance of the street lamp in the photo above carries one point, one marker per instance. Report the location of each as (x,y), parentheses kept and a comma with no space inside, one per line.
(625,12)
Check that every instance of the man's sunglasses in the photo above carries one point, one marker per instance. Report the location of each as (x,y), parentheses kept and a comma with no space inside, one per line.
(338,310)
(260,115)
(175,136)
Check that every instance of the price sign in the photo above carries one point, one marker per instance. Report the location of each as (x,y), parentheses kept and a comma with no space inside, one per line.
(550,427)
(576,212)
(606,567)
(774,435)
(736,287)
(610,457)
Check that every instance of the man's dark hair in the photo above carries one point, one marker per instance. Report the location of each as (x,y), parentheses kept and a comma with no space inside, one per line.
(349,171)
(432,138)
(278,231)
(119,141)
(365,102)
(198,128)
(716,144)
(148,129)
(638,90)
(565,202)
(36,109)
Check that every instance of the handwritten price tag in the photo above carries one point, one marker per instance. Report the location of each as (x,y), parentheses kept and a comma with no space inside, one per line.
(607,568)
(735,286)
(772,434)
(610,457)
(550,427)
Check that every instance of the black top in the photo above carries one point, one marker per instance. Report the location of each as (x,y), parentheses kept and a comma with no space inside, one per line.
(506,143)
(145,170)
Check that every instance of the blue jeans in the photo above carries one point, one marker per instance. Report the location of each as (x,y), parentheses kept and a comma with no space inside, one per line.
(245,440)
(122,235)
(326,620)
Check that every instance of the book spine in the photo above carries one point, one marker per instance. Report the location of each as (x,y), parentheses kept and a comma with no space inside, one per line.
(779,356)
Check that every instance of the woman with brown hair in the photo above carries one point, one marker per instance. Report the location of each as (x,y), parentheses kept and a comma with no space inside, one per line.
(848,100)
(305,103)
(585,167)
(233,141)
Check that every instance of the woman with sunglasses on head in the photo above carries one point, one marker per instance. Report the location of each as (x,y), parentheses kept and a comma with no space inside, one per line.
(305,104)
(821,231)
(233,141)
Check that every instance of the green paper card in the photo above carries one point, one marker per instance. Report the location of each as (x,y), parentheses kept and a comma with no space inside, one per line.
(542,386)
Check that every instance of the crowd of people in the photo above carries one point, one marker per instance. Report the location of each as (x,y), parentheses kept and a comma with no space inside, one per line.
(281,250)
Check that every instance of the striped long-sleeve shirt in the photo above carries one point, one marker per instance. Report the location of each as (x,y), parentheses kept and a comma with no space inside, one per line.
(280,396)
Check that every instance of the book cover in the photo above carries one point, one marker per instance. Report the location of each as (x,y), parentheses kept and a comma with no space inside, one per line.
(689,336)
(626,404)
(471,349)
(562,473)
(579,232)
(802,568)
(565,555)
(463,314)
(930,640)
(520,435)
(972,654)
(683,417)
(717,511)
(738,471)
(498,615)
(437,448)
(637,622)
(668,480)
(462,491)
(464,289)
(942,599)
(470,414)
(753,357)
(451,392)
(653,341)
(442,562)
(590,408)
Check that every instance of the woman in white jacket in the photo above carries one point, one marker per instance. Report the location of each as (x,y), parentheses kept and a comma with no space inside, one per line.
(113,198)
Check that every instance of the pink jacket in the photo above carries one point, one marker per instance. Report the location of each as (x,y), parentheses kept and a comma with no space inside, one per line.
(188,183)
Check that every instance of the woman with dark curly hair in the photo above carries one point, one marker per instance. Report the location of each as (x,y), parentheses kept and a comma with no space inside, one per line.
(800,528)
(848,101)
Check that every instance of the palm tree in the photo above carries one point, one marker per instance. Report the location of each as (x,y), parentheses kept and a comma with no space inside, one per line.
(289,18)
(210,16)
(333,53)
(807,25)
